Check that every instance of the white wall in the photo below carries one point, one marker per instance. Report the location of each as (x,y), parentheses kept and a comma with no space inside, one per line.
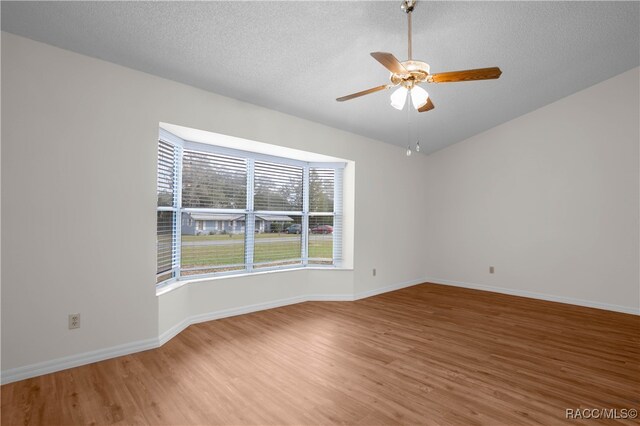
(0,209)
(79,137)
(550,199)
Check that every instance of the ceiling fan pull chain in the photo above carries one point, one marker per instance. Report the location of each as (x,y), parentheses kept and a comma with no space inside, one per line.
(409,128)
(418,133)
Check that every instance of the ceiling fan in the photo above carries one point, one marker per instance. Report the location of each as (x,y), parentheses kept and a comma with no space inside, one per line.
(410,74)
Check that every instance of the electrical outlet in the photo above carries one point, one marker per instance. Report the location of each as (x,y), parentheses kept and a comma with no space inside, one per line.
(492,269)
(74,321)
(374,272)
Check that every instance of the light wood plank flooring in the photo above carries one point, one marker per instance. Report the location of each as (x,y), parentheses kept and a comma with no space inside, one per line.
(428,354)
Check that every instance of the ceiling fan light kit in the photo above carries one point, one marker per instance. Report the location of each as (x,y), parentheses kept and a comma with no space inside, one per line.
(399,98)
(409,74)
(419,97)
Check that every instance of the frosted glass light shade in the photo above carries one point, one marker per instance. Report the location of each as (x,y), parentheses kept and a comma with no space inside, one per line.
(419,96)
(399,98)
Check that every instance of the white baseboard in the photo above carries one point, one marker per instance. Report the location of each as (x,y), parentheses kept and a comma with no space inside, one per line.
(342,297)
(46,367)
(173,332)
(38,369)
(541,296)
(393,287)
(225,313)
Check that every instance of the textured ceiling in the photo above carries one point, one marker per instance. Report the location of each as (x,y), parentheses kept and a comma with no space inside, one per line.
(297,57)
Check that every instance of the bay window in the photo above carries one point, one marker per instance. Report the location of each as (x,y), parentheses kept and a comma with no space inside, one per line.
(223,211)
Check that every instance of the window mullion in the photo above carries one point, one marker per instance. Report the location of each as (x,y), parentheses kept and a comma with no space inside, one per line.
(177,202)
(250,224)
(338,207)
(305,215)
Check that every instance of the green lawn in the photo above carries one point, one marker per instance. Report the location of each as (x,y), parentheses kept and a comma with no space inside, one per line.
(320,248)
(220,255)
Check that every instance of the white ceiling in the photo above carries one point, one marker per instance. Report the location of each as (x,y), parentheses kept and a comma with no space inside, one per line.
(297,57)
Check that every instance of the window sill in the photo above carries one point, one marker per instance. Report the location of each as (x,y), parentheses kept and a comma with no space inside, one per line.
(176,284)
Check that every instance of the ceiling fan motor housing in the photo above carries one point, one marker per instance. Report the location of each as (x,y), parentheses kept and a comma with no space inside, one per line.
(418,72)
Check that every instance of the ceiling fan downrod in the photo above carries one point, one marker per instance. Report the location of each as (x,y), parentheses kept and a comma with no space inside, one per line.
(407,6)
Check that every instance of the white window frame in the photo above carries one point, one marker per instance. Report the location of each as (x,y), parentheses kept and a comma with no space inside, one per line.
(251,157)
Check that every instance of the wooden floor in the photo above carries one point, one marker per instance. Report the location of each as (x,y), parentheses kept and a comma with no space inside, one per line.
(428,354)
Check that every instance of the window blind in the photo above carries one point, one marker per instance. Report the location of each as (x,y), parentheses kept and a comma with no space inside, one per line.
(321,189)
(166,245)
(278,187)
(166,174)
(213,181)
(166,220)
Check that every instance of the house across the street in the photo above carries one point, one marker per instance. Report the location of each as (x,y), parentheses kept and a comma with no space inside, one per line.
(212,223)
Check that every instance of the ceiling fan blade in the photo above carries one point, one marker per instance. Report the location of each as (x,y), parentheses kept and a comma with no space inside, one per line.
(364,92)
(465,75)
(426,107)
(390,62)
